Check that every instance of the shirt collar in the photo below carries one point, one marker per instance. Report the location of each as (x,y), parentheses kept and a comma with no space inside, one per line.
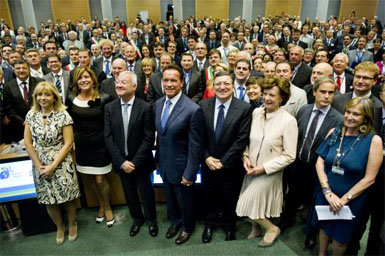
(174,99)
(323,110)
(237,85)
(110,59)
(131,101)
(342,75)
(19,81)
(60,73)
(226,104)
(365,96)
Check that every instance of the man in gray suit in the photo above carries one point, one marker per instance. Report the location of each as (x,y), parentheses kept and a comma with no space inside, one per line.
(365,77)
(314,122)
(359,55)
(297,95)
(57,76)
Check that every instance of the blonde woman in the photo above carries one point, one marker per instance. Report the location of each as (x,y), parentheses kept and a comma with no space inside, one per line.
(48,139)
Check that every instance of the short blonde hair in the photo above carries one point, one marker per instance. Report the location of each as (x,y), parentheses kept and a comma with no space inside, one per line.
(50,88)
(368,66)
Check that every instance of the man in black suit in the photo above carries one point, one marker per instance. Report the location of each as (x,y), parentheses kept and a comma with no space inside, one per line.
(286,37)
(171,49)
(201,62)
(228,126)
(147,36)
(182,41)
(193,86)
(213,43)
(321,69)
(105,62)
(130,56)
(108,85)
(18,98)
(36,69)
(314,123)
(365,77)
(129,135)
(343,80)
(155,90)
(301,72)
(295,40)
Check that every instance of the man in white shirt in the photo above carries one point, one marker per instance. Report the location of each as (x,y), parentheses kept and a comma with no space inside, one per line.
(226,47)
(33,58)
(242,73)
(343,80)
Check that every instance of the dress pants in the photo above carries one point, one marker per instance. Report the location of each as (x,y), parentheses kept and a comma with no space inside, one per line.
(180,205)
(131,182)
(221,197)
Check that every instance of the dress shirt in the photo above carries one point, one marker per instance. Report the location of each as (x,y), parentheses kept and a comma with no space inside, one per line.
(173,100)
(37,73)
(321,118)
(21,86)
(217,104)
(104,66)
(237,91)
(365,96)
(60,73)
(130,102)
(343,88)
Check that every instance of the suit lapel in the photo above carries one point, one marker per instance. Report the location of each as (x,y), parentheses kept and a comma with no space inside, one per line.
(324,126)
(119,120)
(210,114)
(133,117)
(158,113)
(230,115)
(175,112)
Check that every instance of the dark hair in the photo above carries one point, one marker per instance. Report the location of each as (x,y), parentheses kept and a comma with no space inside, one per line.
(187,54)
(214,51)
(174,67)
(224,73)
(78,73)
(157,44)
(51,55)
(49,42)
(20,61)
(243,61)
(282,84)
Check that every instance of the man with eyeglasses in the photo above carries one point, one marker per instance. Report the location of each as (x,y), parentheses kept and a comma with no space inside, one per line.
(365,77)
(228,126)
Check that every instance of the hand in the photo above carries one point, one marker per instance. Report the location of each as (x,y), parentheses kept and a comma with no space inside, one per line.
(47,171)
(213,163)
(128,167)
(6,120)
(258,170)
(335,202)
(185,182)
(247,165)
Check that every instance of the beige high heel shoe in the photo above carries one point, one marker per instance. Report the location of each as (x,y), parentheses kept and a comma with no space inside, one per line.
(72,238)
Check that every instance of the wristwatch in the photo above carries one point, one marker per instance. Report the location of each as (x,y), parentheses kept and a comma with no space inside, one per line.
(350,197)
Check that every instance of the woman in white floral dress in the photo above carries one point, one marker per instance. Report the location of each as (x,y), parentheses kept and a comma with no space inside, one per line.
(48,139)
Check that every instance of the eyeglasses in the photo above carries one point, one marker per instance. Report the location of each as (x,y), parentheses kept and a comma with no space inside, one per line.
(365,78)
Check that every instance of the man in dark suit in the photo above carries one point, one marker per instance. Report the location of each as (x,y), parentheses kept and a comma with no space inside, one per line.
(343,80)
(108,85)
(193,86)
(213,43)
(182,41)
(181,129)
(18,98)
(295,40)
(321,69)
(58,76)
(286,37)
(105,62)
(301,72)
(37,70)
(314,123)
(155,90)
(365,77)
(228,127)
(360,54)
(132,64)
(129,135)
(147,36)
(201,62)
(330,42)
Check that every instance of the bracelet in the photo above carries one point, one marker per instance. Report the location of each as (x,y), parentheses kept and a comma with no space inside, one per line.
(326,190)
(325,185)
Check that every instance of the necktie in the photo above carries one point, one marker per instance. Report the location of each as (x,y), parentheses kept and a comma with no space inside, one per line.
(186,82)
(309,138)
(220,120)
(166,113)
(200,65)
(211,45)
(58,83)
(131,68)
(107,69)
(241,92)
(338,83)
(25,92)
(125,124)
(184,43)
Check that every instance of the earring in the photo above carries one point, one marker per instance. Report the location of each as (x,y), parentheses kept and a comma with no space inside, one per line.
(363,128)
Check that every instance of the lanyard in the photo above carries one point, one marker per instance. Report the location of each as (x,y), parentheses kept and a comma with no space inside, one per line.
(339,155)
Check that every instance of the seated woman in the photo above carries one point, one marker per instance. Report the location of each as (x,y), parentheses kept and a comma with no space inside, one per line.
(272,147)
(48,140)
(348,162)
(254,91)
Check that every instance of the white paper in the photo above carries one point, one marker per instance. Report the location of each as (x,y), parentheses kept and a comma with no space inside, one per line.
(324,213)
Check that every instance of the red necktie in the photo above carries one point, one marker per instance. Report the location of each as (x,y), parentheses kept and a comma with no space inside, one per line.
(338,83)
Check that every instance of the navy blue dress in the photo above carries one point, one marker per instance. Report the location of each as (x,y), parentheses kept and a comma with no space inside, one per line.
(354,163)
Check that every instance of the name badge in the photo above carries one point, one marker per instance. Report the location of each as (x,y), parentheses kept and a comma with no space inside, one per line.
(338,170)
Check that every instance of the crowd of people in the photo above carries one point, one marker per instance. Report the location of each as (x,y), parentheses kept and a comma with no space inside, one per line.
(280,115)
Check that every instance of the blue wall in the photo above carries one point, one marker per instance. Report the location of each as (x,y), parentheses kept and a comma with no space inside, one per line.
(259,8)
(333,8)
(188,8)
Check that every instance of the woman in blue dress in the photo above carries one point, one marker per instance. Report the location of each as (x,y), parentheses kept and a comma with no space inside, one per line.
(348,162)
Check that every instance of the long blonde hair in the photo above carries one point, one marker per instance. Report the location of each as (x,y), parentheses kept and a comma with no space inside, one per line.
(50,88)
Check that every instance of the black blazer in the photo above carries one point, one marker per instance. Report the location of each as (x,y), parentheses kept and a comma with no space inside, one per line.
(332,119)
(196,88)
(302,77)
(98,63)
(234,135)
(154,90)
(340,101)
(108,87)
(139,92)
(140,136)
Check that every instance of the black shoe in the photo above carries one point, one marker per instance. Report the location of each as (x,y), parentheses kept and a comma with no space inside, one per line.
(310,241)
(172,231)
(182,238)
(153,229)
(207,235)
(283,226)
(135,229)
(230,235)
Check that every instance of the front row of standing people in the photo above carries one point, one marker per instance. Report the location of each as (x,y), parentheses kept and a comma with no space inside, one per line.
(242,154)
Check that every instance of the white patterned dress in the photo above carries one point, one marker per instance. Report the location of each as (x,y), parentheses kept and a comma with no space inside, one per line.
(48,140)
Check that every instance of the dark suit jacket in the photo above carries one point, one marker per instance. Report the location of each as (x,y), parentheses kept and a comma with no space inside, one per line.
(154,90)
(234,135)
(181,144)
(139,92)
(309,93)
(98,63)
(196,87)
(379,126)
(332,119)
(217,44)
(14,105)
(300,43)
(151,38)
(8,74)
(108,87)
(340,101)
(205,65)
(302,77)
(140,135)
(180,48)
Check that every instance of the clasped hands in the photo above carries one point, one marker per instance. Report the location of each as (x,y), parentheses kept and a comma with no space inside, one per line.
(250,169)
(128,167)
(335,202)
(213,163)
(46,171)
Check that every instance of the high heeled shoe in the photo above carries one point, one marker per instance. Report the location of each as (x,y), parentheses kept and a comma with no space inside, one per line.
(110,223)
(60,240)
(269,241)
(72,238)
(99,219)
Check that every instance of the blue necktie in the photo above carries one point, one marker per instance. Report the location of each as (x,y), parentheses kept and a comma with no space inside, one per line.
(107,67)
(125,124)
(241,93)
(220,120)
(166,113)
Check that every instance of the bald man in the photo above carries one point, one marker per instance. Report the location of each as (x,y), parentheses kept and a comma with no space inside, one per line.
(108,85)
(321,69)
